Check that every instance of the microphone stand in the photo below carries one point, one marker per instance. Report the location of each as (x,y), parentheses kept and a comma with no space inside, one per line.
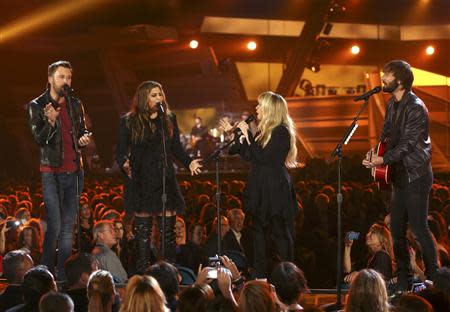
(164,191)
(216,157)
(338,152)
(68,90)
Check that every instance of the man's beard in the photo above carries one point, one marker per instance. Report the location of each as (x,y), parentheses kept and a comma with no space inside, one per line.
(390,87)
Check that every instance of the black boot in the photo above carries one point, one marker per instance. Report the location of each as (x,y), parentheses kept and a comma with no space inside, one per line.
(169,238)
(142,235)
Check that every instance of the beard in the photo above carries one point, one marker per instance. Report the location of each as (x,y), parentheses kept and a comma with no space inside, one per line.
(391,86)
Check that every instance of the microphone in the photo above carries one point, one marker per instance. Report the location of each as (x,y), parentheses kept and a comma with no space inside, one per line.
(367,94)
(249,119)
(160,107)
(67,89)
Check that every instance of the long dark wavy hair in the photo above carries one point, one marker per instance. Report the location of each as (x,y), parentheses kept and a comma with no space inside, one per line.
(138,118)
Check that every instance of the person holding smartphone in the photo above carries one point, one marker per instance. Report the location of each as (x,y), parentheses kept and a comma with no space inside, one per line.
(381,255)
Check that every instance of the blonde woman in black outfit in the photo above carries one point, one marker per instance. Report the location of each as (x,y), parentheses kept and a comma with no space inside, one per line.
(269,197)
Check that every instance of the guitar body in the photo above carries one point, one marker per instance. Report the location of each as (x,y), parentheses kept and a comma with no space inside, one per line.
(382,174)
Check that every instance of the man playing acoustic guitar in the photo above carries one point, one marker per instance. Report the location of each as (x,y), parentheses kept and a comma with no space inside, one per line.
(408,154)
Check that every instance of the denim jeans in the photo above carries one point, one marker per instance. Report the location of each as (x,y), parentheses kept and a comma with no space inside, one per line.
(61,206)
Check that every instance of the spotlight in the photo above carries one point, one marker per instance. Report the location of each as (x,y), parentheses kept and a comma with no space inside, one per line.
(314,67)
(355,49)
(193,44)
(429,50)
(251,45)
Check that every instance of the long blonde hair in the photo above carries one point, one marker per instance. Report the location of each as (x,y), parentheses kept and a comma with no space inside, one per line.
(384,236)
(274,113)
(368,293)
(143,294)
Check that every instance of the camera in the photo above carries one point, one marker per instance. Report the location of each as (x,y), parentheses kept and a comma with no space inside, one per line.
(351,236)
(12,224)
(214,263)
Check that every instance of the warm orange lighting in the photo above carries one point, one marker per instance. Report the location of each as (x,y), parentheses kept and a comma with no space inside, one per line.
(45,16)
(251,45)
(193,44)
(355,49)
(429,50)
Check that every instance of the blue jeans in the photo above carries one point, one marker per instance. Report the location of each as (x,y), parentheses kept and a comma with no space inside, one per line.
(61,206)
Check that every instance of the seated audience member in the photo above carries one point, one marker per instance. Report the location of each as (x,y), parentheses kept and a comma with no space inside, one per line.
(167,277)
(30,241)
(36,283)
(236,239)
(78,268)
(56,302)
(101,291)
(413,303)
(180,231)
(195,298)
(257,296)
(15,264)
(143,294)
(438,299)
(367,293)
(86,227)
(442,280)
(105,239)
(190,255)
(211,243)
(379,243)
(122,246)
(290,284)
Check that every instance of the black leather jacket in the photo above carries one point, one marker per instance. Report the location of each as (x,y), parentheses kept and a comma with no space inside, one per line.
(50,138)
(409,141)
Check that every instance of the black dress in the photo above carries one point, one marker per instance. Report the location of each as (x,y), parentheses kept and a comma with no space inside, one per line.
(269,200)
(269,191)
(143,191)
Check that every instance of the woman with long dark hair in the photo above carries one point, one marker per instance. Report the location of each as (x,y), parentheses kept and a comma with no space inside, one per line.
(269,197)
(139,155)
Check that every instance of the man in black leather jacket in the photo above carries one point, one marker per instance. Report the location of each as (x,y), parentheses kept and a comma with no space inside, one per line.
(56,120)
(409,156)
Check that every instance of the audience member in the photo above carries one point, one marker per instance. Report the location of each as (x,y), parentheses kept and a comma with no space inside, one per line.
(413,303)
(101,291)
(56,302)
(167,277)
(143,294)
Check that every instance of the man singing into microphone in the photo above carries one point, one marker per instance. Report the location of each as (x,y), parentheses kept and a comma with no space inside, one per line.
(409,155)
(57,124)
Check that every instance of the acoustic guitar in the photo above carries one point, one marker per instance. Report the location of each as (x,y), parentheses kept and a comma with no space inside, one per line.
(381,174)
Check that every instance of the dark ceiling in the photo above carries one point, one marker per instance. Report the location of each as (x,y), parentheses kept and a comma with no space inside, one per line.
(186,15)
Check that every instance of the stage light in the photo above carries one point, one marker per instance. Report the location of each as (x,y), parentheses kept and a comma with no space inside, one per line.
(251,45)
(193,44)
(355,49)
(429,50)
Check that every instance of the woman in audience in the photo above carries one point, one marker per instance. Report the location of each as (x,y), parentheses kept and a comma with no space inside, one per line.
(143,294)
(180,231)
(367,293)
(86,222)
(258,296)
(30,241)
(379,243)
(101,291)
(195,298)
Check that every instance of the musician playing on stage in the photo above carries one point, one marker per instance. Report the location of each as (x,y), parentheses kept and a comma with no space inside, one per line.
(408,154)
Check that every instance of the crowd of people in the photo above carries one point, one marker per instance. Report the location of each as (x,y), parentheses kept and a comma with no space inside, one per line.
(107,243)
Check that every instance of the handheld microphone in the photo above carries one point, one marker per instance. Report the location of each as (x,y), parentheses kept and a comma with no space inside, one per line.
(367,94)
(160,107)
(67,90)
(249,119)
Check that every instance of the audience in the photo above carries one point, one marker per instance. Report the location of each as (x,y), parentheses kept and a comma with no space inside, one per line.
(413,303)
(367,293)
(36,283)
(258,296)
(290,284)
(105,239)
(78,268)
(56,302)
(15,264)
(101,291)
(143,294)
(168,279)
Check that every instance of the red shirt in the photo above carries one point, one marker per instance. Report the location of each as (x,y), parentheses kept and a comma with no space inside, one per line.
(69,161)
